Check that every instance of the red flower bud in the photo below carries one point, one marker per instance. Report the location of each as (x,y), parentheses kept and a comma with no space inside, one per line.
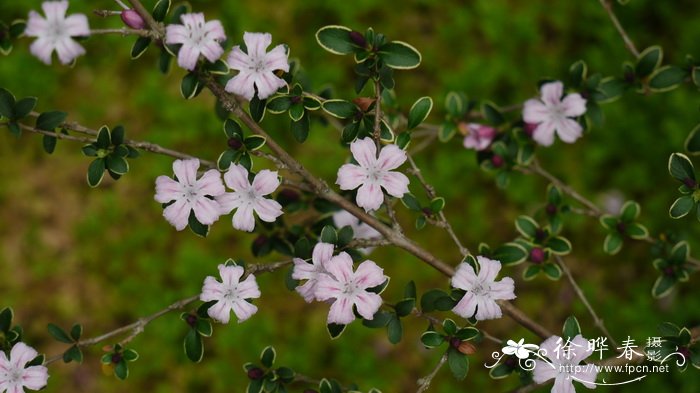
(255,373)
(497,161)
(537,255)
(132,19)
(358,39)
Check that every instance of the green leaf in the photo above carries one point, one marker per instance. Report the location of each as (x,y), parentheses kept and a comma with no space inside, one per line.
(531,272)
(254,142)
(7,104)
(447,131)
(117,135)
(403,140)
(197,227)
(121,370)
(526,226)
(437,204)
(232,129)
(58,333)
(340,108)
(48,121)
(336,39)
(329,235)
(455,104)
(399,55)
(578,72)
(648,61)
(410,290)
(405,307)
(6,319)
(636,231)
(552,271)
(680,167)
(667,78)
(350,132)
(458,362)
(419,112)
(300,129)
(140,47)
(394,330)
(24,106)
(49,143)
(682,206)
(609,222)
(510,254)
(257,108)
(335,330)
(663,286)
(492,113)
(255,386)
(432,339)
(500,371)
(692,143)
(571,328)
(680,253)
(267,356)
(73,354)
(411,202)
(429,299)
(612,243)
(449,326)
(117,164)
(380,319)
(189,86)
(104,138)
(468,333)
(609,90)
(345,235)
(225,159)
(96,172)
(279,104)
(559,245)
(194,346)
(76,331)
(630,211)
(160,11)
(668,329)
(130,355)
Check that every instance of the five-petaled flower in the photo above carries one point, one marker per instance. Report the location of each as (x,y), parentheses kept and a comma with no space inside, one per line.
(553,114)
(256,67)
(197,38)
(482,290)
(373,173)
(562,364)
(247,197)
(14,373)
(478,136)
(230,294)
(361,231)
(303,270)
(55,32)
(348,288)
(190,194)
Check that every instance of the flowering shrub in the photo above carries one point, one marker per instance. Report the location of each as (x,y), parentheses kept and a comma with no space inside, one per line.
(325,233)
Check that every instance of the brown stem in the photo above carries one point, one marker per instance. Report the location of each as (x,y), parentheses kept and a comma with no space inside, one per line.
(156,27)
(629,44)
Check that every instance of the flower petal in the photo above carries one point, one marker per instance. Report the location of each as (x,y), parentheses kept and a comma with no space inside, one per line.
(237,59)
(77,25)
(486,309)
(544,133)
(466,306)
(176,34)
(395,184)
(341,312)
(21,354)
(36,25)
(276,59)
(340,267)
(370,196)
(503,289)
(210,183)
(351,176)
(167,189)
(257,43)
(368,275)
(220,312)
(211,290)
(35,377)
(178,214)
(535,112)
(236,178)
(186,171)
(488,269)
(367,304)
(364,151)
(551,92)
(206,210)
(327,287)
(268,210)
(268,83)
(243,218)
(188,56)
(544,371)
(229,201)
(243,310)
(42,48)
(465,277)
(322,253)
(68,50)
(391,157)
(242,85)
(215,30)
(265,182)
(308,290)
(574,105)
(562,384)
(248,288)
(568,130)
(230,274)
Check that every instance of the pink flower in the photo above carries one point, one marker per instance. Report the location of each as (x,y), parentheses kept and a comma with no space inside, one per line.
(15,376)
(562,362)
(197,38)
(55,31)
(553,114)
(231,294)
(479,136)
(482,290)
(190,194)
(303,270)
(247,197)
(360,230)
(256,68)
(348,288)
(373,173)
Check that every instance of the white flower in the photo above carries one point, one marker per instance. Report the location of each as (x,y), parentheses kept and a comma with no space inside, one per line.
(197,38)
(14,373)
(248,197)
(482,290)
(373,173)
(55,31)
(553,114)
(348,288)
(303,270)
(519,349)
(562,364)
(231,294)
(361,231)
(190,194)
(256,68)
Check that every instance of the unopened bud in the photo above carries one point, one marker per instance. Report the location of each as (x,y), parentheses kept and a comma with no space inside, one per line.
(358,39)
(537,255)
(668,271)
(551,209)
(690,183)
(191,320)
(466,348)
(289,195)
(234,143)
(255,373)
(132,19)
(497,161)
(363,102)
(621,227)
(529,128)
(117,357)
(260,241)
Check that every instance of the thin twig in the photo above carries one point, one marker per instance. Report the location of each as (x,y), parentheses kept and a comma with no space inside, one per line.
(629,44)
(596,319)
(424,383)
(156,27)
(122,31)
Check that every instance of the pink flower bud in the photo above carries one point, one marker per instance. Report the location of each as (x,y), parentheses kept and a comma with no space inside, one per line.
(530,128)
(132,19)
(537,255)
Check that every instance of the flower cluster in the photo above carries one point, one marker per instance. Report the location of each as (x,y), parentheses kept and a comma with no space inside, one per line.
(207,199)
(331,278)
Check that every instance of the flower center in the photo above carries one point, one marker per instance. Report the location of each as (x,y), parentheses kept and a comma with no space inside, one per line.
(189,193)
(56,30)
(349,288)
(374,174)
(481,289)
(257,65)
(231,293)
(14,376)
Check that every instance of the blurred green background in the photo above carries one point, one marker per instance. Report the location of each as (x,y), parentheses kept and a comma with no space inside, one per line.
(104,257)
